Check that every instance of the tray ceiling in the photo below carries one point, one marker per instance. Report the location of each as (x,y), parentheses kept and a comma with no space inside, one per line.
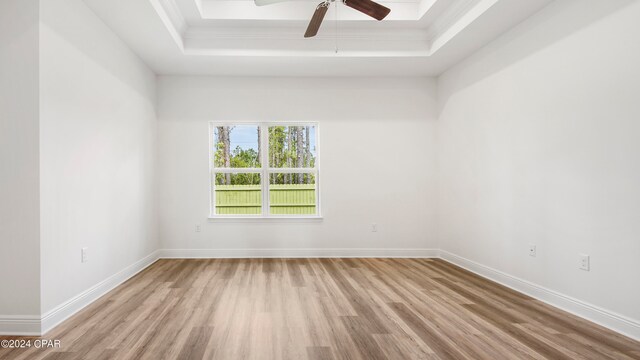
(236,37)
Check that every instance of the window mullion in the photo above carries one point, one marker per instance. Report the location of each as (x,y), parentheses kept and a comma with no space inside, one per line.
(264,162)
(310,170)
(237,170)
(212,176)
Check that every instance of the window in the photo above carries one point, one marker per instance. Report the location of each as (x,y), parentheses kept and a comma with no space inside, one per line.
(264,170)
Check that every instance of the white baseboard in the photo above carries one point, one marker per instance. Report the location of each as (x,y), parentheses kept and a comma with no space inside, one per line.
(34,326)
(608,319)
(297,253)
(72,306)
(19,325)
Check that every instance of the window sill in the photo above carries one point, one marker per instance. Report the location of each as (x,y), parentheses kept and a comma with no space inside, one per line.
(266,219)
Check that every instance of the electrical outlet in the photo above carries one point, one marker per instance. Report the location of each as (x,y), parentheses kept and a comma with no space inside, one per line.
(84,254)
(198,228)
(532,250)
(584,262)
(374,227)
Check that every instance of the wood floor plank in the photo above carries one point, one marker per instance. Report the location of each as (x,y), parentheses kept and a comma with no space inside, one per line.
(444,348)
(342,309)
(319,353)
(196,344)
(400,347)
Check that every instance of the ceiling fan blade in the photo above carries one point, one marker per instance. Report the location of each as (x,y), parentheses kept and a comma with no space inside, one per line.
(369,7)
(316,20)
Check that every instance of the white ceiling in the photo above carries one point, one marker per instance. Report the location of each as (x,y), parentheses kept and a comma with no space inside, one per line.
(236,37)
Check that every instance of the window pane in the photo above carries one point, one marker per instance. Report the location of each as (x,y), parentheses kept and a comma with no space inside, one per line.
(236,146)
(292,194)
(292,146)
(238,194)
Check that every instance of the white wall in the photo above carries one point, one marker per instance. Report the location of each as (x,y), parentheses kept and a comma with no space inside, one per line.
(19,194)
(539,144)
(97,152)
(377,150)
(536,143)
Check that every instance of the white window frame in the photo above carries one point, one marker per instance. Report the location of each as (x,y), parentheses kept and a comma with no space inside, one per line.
(264,171)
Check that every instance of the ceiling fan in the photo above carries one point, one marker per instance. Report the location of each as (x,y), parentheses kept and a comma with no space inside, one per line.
(367,7)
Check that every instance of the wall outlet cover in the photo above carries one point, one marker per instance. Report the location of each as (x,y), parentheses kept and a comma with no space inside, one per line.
(584,262)
(83,254)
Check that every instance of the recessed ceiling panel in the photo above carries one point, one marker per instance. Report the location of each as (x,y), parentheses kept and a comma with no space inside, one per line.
(237,37)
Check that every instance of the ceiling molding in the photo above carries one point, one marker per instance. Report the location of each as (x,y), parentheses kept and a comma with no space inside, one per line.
(449,17)
(307,54)
(172,10)
(172,38)
(164,11)
(473,11)
(208,33)
(238,10)
(424,6)
(315,2)
(420,40)
(198,6)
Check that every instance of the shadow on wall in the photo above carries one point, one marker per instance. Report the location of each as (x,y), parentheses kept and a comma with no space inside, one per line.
(74,23)
(553,23)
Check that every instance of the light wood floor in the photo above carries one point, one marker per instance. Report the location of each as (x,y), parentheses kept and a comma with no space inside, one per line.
(323,309)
